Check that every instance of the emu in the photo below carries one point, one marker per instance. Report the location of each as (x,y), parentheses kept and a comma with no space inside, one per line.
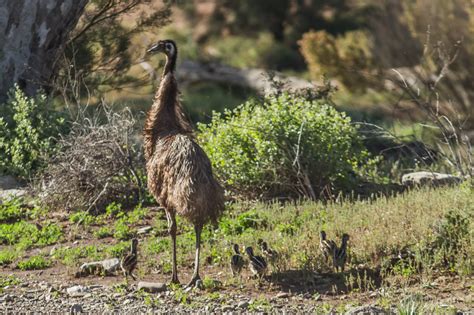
(179,172)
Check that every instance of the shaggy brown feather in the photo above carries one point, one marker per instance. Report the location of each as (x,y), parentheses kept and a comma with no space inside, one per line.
(179,171)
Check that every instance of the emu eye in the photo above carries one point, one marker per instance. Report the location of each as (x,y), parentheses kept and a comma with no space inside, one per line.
(169,47)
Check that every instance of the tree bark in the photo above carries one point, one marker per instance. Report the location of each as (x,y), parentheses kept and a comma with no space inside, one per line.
(32,37)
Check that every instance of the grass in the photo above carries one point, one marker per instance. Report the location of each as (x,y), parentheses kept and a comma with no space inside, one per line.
(378,229)
(7,256)
(26,235)
(435,224)
(34,263)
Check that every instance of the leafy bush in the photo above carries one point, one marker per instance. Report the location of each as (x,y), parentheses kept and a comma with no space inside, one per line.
(34,263)
(11,211)
(27,128)
(285,145)
(7,256)
(27,235)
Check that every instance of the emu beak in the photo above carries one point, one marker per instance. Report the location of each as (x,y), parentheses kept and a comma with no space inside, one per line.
(155,48)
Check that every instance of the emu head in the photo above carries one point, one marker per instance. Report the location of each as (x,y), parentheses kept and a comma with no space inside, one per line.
(167,46)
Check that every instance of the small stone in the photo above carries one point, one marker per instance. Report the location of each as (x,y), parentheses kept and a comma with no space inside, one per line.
(76,309)
(366,309)
(77,290)
(243,304)
(282,295)
(227,308)
(151,287)
(111,265)
(144,230)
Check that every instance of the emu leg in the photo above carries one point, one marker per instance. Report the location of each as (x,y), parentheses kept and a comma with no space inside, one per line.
(196,277)
(172,230)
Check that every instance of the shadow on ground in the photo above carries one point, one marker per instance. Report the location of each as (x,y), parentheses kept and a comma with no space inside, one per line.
(304,281)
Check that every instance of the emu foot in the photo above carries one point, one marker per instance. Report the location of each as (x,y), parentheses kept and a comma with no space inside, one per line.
(195,281)
(174,279)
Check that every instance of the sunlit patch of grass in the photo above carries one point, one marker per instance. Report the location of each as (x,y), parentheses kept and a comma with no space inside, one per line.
(7,256)
(73,256)
(34,263)
(26,235)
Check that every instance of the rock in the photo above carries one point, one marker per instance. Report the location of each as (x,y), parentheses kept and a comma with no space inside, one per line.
(76,309)
(151,287)
(11,193)
(282,295)
(77,290)
(367,310)
(111,265)
(9,182)
(430,179)
(144,230)
(108,266)
(243,304)
(227,308)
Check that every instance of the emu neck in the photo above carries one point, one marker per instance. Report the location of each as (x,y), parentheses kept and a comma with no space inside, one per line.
(170,65)
(166,115)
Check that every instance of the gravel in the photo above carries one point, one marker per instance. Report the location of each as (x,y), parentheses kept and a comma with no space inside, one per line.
(94,299)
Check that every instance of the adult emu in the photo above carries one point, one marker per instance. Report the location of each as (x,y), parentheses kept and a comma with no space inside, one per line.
(179,171)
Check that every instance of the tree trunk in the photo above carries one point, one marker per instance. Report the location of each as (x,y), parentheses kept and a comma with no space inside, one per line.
(32,37)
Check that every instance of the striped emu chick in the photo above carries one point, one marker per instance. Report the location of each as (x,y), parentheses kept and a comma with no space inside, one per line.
(258,265)
(327,246)
(270,254)
(129,262)
(236,261)
(179,173)
(340,254)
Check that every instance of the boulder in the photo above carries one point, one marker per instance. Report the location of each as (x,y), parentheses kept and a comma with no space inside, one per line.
(9,182)
(77,290)
(367,310)
(11,193)
(429,179)
(107,267)
(151,287)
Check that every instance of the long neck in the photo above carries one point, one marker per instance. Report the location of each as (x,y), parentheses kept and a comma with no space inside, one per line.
(170,65)
(166,114)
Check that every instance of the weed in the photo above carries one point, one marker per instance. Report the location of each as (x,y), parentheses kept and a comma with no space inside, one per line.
(211,284)
(117,250)
(71,256)
(27,235)
(82,218)
(411,305)
(114,210)
(10,280)
(7,256)
(121,230)
(180,295)
(260,304)
(34,263)
(103,232)
(12,211)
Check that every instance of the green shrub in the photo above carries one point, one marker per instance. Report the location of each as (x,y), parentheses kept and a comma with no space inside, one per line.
(11,210)
(34,263)
(285,145)
(103,232)
(7,256)
(27,128)
(27,235)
